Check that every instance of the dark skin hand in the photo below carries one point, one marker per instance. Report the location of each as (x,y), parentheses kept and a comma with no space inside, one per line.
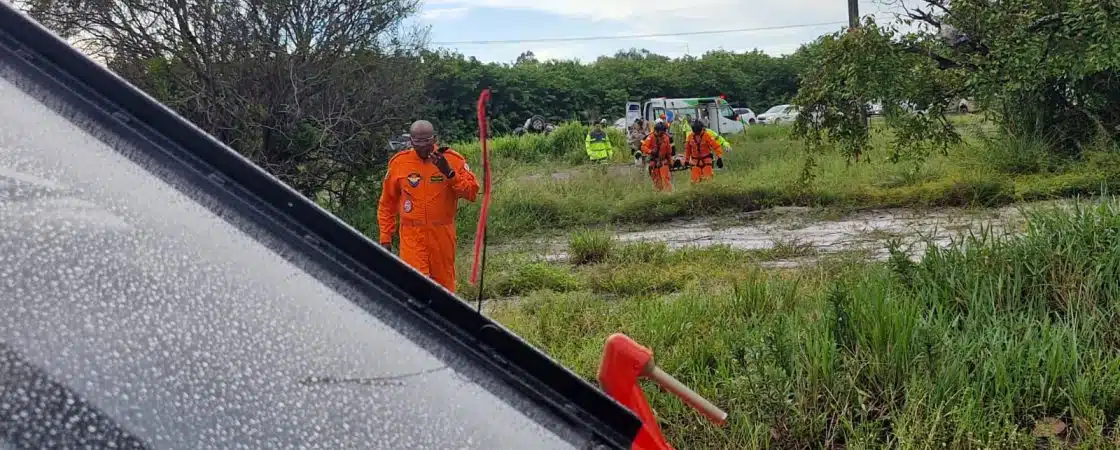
(441,163)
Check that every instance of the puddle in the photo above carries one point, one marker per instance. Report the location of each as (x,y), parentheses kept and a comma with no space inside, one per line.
(796,228)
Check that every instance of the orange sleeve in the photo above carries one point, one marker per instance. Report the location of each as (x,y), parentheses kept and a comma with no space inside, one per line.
(690,149)
(465,182)
(387,206)
(647,144)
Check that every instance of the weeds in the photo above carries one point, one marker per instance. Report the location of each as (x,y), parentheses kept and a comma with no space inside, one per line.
(994,342)
(543,184)
(589,247)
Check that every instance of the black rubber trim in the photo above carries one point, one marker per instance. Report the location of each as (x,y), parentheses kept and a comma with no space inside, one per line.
(39,55)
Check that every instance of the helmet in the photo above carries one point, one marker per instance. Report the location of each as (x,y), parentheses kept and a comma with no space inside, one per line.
(602,121)
(697,126)
(660,127)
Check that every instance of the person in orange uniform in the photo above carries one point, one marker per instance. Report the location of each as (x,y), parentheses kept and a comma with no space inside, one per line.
(422,187)
(698,151)
(659,150)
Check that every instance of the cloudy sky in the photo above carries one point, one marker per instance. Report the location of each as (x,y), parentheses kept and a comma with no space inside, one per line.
(455,21)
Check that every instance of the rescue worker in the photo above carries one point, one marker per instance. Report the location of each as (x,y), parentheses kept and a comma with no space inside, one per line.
(637,134)
(719,138)
(660,153)
(699,148)
(597,144)
(422,187)
(683,126)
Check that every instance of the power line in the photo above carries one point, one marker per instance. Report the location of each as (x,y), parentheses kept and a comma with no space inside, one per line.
(638,36)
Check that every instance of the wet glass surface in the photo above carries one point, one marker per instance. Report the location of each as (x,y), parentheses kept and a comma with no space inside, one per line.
(187,331)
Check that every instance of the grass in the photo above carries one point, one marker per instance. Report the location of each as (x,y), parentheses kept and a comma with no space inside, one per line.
(985,344)
(542,186)
(1005,342)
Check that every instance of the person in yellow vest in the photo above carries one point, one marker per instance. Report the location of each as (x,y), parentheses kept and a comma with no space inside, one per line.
(719,138)
(598,146)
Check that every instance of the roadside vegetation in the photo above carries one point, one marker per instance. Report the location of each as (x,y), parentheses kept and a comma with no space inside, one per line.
(542,184)
(991,343)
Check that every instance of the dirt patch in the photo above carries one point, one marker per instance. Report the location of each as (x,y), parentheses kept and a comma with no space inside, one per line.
(868,230)
(801,229)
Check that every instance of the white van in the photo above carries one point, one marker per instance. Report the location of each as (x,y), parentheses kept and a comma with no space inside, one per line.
(716,110)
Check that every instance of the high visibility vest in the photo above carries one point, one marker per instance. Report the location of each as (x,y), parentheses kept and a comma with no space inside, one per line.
(722,142)
(598,145)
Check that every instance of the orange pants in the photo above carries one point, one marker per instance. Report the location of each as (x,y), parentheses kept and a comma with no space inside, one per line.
(701,173)
(662,179)
(431,251)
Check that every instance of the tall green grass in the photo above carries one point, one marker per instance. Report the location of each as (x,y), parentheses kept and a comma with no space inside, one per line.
(986,344)
(542,184)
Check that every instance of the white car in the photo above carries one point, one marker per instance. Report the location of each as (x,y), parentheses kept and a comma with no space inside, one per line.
(778,114)
(746,115)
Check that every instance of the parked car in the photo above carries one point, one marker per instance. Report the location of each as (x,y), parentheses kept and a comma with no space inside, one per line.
(967,105)
(746,115)
(778,115)
(398,143)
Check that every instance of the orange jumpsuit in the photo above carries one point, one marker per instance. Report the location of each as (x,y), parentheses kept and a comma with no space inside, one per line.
(660,151)
(425,201)
(698,153)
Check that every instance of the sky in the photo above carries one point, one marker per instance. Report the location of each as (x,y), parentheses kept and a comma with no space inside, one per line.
(454,21)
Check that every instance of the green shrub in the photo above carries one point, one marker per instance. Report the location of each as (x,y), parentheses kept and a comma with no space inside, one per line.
(588,247)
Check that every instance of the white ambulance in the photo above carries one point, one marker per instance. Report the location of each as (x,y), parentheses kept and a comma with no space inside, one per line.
(719,114)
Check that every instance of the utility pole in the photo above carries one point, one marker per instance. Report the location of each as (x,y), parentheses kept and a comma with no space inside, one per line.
(853,14)
(853,23)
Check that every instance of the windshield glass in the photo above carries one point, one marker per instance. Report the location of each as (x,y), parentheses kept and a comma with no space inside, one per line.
(776,110)
(187,328)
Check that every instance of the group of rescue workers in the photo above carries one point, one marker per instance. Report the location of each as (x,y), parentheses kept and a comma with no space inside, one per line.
(423,185)
(703,149)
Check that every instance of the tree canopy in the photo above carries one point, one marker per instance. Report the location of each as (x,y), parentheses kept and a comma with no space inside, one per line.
(571,90)
(1043,69)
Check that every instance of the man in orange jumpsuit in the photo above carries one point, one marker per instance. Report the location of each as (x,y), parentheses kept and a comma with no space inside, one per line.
(660,152)
(423,186)
(698,149)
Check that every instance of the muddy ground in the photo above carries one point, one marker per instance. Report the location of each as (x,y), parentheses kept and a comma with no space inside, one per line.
(810,233)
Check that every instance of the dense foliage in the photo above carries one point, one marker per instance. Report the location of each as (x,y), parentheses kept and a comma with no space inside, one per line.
(571,90)
(1044,70)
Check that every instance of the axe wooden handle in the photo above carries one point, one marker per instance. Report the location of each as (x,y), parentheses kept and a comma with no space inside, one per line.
(667,382)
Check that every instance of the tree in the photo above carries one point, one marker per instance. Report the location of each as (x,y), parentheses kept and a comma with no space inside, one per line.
(1047,70)
(309,89)
(526,57)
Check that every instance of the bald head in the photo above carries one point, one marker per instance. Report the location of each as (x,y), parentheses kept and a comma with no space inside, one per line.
(422,128)
(422,134)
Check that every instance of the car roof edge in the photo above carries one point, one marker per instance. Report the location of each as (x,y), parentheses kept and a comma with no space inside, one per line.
(52,61)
